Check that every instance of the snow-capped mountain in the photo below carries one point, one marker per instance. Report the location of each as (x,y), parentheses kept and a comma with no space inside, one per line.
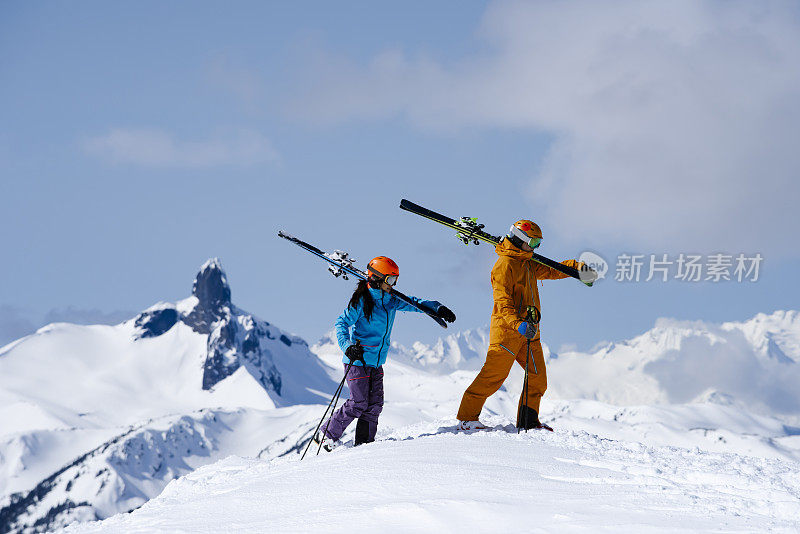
(459,351)
(709,465)
(95,420)
(611,391)
(755,363)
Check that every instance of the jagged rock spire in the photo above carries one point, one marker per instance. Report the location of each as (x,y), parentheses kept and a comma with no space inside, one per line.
(211,286)
(235,339)
(213,297)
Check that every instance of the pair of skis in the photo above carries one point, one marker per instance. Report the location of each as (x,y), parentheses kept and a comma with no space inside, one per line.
(341,264)
(467,231)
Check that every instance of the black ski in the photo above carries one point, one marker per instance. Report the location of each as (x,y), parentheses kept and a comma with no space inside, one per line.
(342,265)
(469,231)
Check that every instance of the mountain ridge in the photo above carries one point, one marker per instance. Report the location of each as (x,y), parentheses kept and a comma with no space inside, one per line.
(91,385)
(182,364)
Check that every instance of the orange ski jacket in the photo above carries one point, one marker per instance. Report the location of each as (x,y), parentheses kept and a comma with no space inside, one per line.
(514,277)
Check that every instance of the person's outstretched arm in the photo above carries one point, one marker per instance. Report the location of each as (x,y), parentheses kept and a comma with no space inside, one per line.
(432,305)
(543,272)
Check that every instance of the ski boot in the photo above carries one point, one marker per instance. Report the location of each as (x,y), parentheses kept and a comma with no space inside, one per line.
(328,444)
(470,426)
(528,419)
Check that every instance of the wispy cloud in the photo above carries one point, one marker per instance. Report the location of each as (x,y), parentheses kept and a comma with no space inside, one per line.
(674,123)
(156,148)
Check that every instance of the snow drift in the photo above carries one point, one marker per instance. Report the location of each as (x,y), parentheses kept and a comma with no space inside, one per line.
(97,420)
(427,478)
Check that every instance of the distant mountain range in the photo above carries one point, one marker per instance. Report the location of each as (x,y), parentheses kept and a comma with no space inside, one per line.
(96,420)
(754,362)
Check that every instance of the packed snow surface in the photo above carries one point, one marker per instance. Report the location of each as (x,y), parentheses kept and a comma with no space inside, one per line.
(690,426)
(427,478)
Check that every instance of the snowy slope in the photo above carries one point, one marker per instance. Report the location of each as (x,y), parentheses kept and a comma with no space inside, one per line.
(717,423)
(74,398)
(126,471)
(125,409)
(426,478)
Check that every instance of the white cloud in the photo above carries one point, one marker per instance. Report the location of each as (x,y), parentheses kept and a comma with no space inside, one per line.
(675,123)
(155,148)
(728,364)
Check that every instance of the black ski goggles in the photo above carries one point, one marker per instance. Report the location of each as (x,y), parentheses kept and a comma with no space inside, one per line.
(389,279)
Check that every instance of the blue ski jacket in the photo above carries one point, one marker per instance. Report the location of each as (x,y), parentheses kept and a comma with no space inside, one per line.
(374,334)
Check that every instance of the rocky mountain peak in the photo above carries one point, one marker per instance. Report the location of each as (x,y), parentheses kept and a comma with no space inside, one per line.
(211,286)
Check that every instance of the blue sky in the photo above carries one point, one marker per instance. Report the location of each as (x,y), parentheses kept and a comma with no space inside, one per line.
(137,140)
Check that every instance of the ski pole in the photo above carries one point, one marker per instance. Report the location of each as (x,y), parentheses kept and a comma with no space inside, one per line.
(524,409)
(335,402)
(335,397)
(533,318)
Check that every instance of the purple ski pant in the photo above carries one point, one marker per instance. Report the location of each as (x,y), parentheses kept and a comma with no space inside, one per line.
(365,404)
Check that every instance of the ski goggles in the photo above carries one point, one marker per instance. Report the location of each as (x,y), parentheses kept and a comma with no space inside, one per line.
(532,242)
(389,279)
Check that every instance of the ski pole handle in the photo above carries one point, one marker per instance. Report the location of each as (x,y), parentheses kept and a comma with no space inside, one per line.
(534,315)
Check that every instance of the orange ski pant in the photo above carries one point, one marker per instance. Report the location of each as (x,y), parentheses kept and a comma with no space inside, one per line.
(494,372)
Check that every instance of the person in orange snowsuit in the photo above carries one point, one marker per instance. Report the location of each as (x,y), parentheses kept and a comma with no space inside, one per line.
(514,278)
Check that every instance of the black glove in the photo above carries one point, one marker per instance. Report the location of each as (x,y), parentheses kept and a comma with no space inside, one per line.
(527,329)
(445,313)
(355,353)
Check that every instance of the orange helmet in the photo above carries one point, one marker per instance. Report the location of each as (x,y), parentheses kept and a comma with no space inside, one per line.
(525,231)
(384,269)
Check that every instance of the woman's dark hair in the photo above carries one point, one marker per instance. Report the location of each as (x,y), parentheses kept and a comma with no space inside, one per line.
(362,294)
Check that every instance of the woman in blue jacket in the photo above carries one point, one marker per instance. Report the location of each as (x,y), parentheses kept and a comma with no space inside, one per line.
(363,331)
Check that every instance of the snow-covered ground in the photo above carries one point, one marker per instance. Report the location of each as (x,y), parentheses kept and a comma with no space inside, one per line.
(690,425)
(715,421)
(427,478)
(96,420)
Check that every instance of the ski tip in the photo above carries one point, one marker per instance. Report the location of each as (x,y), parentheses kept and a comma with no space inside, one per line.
(408,205)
